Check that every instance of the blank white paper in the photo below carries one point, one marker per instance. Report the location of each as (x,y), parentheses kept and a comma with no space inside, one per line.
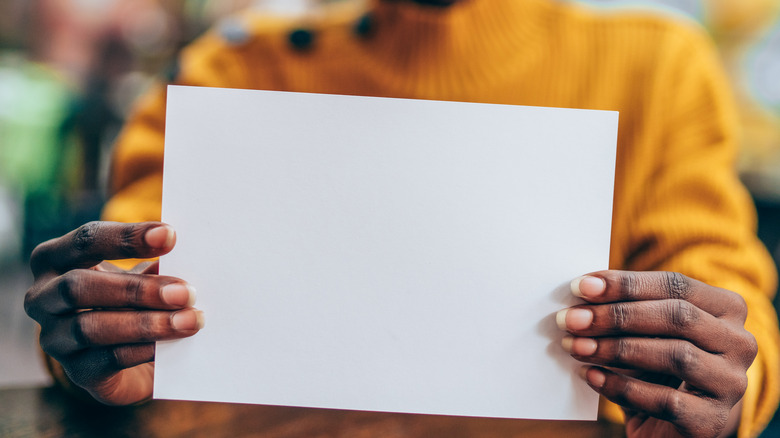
(382,254)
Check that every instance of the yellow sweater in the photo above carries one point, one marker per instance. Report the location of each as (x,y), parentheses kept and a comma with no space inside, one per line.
(678,203)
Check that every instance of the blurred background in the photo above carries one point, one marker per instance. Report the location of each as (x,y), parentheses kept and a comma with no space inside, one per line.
(71,69)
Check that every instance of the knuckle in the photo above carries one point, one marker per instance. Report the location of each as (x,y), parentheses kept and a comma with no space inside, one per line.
(117,357)
(31,307)
(625,392)
(147,327)
(747,348)
(740,306)
(619,315)
(629,283)
(39,258)
(623,350)
(46,341)
(129,238)
(112,359)
(134,290)
(126,356)
(68,287)
(683,358)
(752,344)
(677,286)
(86,235)
(733,391)
(682,315)
(83,327)
(740,386)
(671,406)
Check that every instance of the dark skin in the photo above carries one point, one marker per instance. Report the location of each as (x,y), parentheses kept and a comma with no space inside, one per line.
(101,323)
(683,341)
(672,351)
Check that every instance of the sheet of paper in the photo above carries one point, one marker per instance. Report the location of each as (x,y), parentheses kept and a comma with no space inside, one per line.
(382,254)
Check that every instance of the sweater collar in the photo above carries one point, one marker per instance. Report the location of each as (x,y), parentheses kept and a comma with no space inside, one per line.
(443,49)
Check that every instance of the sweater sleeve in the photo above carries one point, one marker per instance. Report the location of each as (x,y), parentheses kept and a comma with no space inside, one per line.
(687,212)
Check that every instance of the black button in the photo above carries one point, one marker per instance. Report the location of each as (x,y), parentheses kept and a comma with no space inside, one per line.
(364,25)
(302,39)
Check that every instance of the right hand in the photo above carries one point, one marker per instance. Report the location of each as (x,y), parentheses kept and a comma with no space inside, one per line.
(100,323)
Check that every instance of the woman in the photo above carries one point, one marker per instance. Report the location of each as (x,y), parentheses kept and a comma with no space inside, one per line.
(682,230)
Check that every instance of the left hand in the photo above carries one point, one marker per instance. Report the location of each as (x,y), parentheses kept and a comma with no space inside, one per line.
(676,348)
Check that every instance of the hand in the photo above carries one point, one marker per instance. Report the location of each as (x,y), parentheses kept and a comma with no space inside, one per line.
(676,350)
(101,323)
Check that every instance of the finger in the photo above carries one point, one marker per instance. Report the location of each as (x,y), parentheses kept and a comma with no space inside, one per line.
(128,356)
(691,415)
(711,374)
(618,286)
(87,289)
(94,242)
(666,318)
(95,364)
(85,330)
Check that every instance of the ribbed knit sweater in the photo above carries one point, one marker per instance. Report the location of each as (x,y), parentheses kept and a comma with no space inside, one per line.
(678,204)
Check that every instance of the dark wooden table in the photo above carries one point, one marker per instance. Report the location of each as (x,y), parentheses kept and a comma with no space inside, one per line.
(47,412)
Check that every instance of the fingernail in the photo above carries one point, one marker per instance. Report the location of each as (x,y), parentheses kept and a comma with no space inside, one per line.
(567,343)
(593,376)
(187,320)
(574,319)
(560,319)
(588,287)
(579,346)
(177,294)
(584,346)
(160,237)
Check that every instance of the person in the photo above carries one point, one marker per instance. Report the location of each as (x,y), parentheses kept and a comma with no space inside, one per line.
(680,333)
